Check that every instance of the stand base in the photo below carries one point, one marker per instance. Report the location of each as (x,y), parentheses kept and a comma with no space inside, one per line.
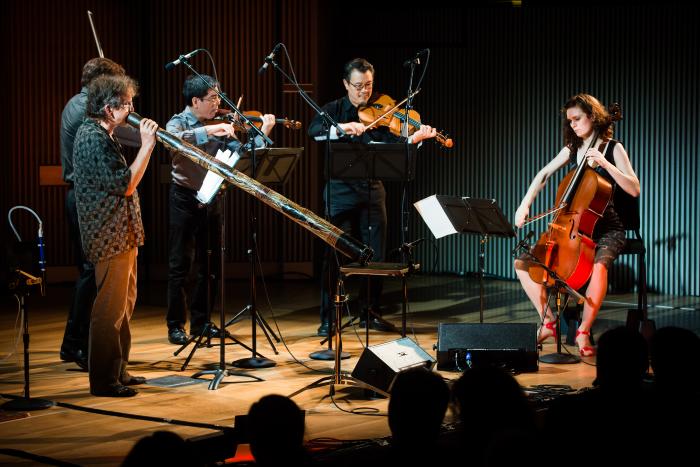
(252,362)
(219,374)
(204,335)
(328,354)
(344,380)
(559,358)
(26,405)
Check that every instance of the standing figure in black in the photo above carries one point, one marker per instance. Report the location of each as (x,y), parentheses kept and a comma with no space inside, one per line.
(356,207)
(74,347)
(194,226)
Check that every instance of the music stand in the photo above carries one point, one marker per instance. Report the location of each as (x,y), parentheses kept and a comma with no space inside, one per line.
(446,215)
(351,161)
(274,165)
(388,162)
(268,165)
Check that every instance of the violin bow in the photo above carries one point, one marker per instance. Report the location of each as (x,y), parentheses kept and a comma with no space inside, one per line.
(367,127)
(94,34)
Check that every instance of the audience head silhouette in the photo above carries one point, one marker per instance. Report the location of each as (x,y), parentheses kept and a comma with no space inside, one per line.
(623,360)
(489,400)
(276,431)
(160,448)
(675,358)
(417,406)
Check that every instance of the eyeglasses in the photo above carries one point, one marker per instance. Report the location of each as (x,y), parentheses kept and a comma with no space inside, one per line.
(360,86)
(128,105)
(212,99)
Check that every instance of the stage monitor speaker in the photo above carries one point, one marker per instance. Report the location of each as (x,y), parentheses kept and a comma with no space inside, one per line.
(512,346)
(379,364)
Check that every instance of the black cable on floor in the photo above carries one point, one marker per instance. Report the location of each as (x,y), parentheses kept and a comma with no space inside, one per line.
(36,458)
(147,418)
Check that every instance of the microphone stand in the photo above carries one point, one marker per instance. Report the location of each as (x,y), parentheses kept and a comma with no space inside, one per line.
(220,372)
(24,281)
(404,188)
(555,290)
(224,98)
(254,361)
(328,123)
(329,353)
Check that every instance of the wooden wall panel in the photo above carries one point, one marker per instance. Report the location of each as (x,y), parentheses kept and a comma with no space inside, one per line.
(496,80)
(53,41)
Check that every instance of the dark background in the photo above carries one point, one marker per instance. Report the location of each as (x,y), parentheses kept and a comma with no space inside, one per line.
(497,77)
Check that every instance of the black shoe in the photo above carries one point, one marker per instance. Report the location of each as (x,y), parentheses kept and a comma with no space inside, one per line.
(377,325)
(177,336)
(323,329)
(133,380)
(78,356)
(214,332)
(117,390)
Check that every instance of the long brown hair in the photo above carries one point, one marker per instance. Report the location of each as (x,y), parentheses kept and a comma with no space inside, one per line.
(602,121)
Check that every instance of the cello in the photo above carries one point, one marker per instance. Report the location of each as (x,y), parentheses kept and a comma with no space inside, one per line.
(567,248)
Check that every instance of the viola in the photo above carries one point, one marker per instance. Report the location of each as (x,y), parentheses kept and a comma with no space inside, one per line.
(567,248)
(384,111)
(255,117)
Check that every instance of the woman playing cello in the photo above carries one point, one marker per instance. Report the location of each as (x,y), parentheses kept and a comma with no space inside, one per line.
(588,131)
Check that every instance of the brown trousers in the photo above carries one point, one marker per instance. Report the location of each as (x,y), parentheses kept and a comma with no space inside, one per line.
(110,336)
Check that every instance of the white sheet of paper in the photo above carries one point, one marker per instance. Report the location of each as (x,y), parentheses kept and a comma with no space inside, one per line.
(212,182)
(434,216)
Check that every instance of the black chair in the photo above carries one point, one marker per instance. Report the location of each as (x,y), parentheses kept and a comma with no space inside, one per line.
(628,210)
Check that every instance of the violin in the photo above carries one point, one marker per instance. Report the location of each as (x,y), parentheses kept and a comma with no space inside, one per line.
(254,116)
(567,248)
(384,111)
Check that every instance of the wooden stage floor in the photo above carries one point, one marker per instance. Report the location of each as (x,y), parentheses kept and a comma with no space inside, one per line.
(85,438)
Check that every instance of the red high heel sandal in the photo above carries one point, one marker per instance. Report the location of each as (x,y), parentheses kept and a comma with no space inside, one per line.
(586,350)
(552,327)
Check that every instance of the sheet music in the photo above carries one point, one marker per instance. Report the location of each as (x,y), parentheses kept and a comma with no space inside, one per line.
(212,182)
(435,217)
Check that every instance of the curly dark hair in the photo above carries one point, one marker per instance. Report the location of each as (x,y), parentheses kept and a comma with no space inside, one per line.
(359,64)
(100,66)
(108,90)
(602,121)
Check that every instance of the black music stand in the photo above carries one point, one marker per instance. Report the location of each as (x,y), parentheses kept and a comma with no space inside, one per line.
(445,215)
(366,161)
(220,371)
(388,162)
(274,165)
(268,165)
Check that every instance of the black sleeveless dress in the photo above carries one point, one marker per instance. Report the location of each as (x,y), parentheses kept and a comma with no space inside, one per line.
(609,232)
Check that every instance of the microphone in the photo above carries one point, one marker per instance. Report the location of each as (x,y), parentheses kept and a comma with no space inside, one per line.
(415,60)
(268,59)
(407,247)
(42,260)
(40,244)
(174,63)
(522,243)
